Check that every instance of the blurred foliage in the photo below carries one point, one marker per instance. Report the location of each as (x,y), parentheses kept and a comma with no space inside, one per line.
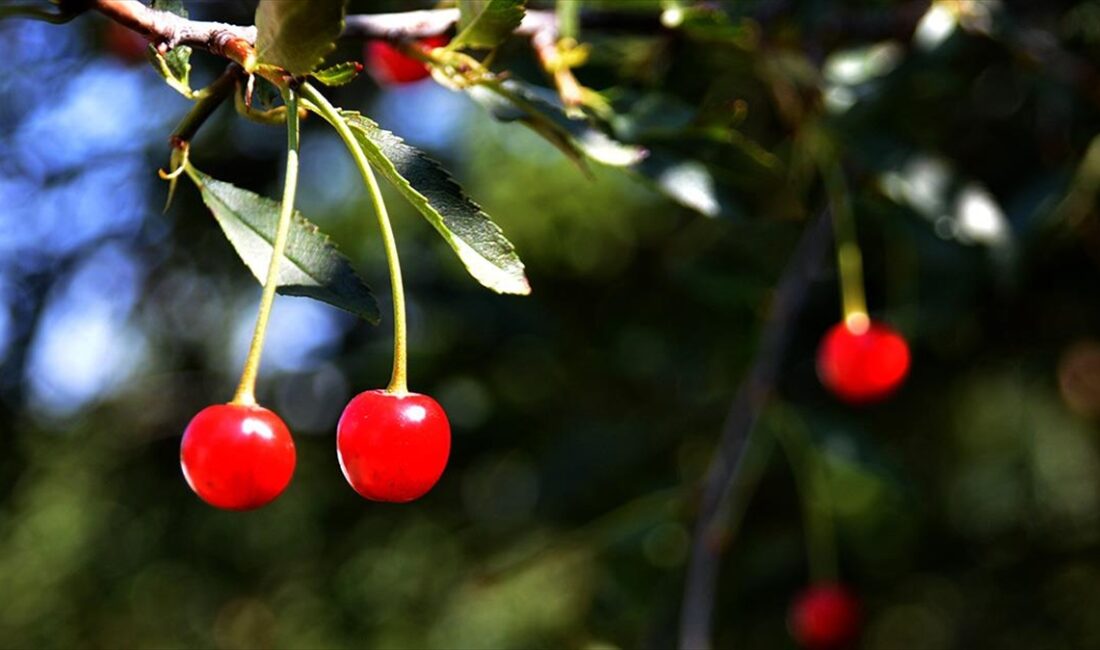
(965,510)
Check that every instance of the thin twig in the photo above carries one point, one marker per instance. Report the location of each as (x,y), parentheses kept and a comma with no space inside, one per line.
(725,468)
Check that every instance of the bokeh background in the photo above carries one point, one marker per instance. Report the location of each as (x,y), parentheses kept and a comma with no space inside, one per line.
(965,511)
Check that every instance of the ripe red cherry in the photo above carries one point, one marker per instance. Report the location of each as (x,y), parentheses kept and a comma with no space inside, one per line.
(388,65)
(237,457)
(393,447)
(862,364)
(825,617)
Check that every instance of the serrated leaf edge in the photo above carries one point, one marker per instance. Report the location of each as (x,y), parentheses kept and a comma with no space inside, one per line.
(518,283)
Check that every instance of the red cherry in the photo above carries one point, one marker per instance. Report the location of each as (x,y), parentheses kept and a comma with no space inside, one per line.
(237,457)
(124,43)
(825,617)
(393,447)
(388,65)
(862,366)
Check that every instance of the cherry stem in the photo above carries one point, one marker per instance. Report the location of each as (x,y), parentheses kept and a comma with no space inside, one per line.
(849,259)
(246,390)
(568,14)
(399,383)
(207,101)
(811,479)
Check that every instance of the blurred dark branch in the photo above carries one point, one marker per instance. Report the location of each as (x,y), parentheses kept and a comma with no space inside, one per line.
(710,537)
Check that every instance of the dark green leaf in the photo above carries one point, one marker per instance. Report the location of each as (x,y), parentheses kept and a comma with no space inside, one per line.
(479,243)
(541,111)
(485,24)
(175,67)
(179,62)
(311,267)
(296,35)
(689,183)
(339,74)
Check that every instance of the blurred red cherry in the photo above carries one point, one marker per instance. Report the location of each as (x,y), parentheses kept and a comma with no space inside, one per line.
(237,457)
(862,362)
(124,43)
(388,65)
(825,616)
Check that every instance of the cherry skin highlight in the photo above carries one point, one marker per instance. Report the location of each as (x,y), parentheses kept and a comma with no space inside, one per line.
(393,447)
(237,457)
(862,366)
(825,617)
(388,65)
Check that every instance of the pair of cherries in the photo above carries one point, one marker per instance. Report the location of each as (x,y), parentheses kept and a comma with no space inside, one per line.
(391,447)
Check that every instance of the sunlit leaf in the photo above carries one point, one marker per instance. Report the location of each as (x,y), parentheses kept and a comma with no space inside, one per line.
(339,74)
(484,24)
(296,35)
(487,254)
(311,266)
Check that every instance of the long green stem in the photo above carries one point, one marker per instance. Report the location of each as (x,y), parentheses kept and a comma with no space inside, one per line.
(246,390)
(849,259)
(568,15)
(399,383)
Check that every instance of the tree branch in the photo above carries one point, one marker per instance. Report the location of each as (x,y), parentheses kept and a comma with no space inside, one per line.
(167,30)
(401,26)
(726,465)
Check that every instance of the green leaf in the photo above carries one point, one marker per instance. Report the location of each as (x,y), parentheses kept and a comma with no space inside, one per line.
(506,106)
(541,111)
(296,35)
(484,24)
(339,74)
(487,254)
(175,67)
(687,182)
(311,266)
